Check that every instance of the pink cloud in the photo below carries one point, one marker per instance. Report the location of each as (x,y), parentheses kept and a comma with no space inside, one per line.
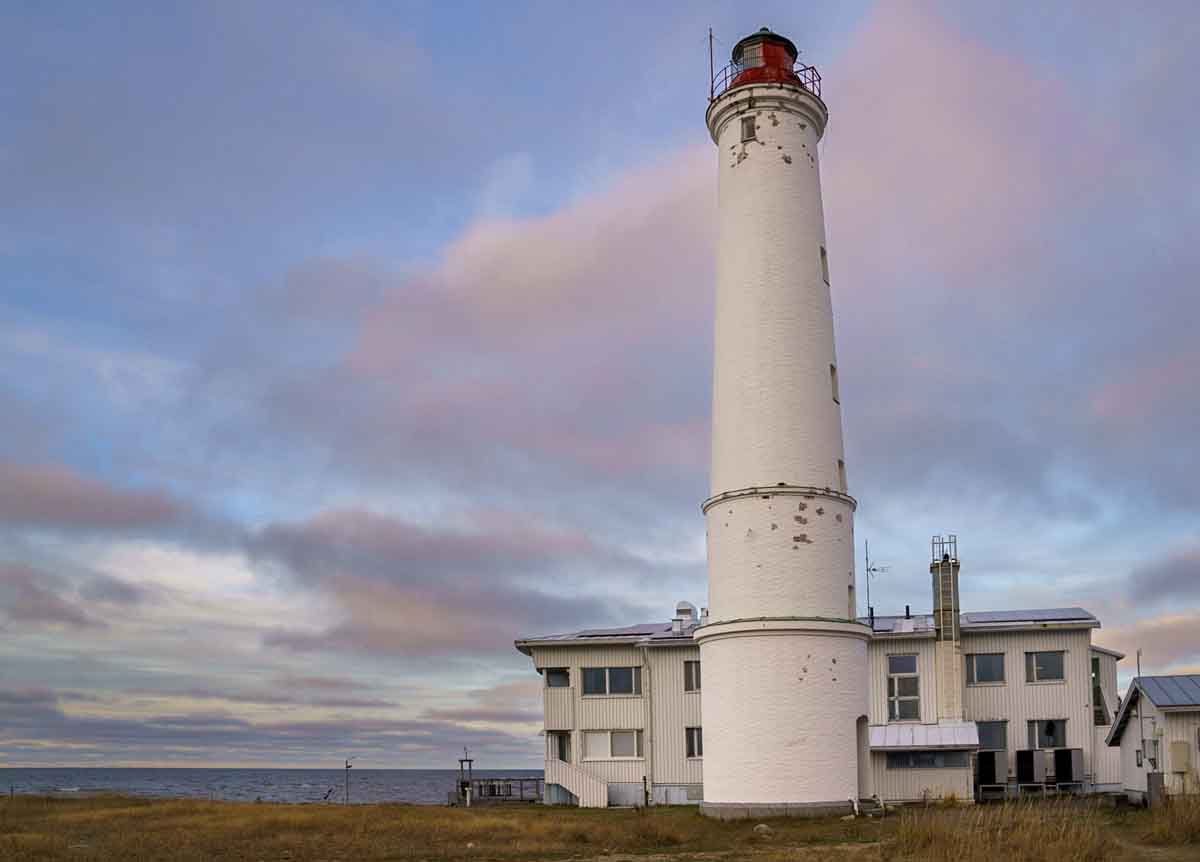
(56,496)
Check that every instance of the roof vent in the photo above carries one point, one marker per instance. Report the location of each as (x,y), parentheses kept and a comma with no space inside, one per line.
(677,626)
(686,611)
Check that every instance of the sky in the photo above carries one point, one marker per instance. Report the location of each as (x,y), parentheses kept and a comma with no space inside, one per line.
(342,344)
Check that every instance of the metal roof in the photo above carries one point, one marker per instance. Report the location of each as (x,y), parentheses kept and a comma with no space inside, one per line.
(655,633)
(1172,691)
(1112,652)
(923,623)
(1181,692)
(913,737)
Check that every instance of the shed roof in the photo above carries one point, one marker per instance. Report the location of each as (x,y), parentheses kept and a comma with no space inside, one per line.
(1173,693)
(917,737)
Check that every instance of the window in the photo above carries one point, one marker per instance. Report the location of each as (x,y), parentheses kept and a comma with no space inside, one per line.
(824,265)
(837,398)
(1139,756)
(691,676)
(904,689)
(752,55)
(612,680)
(841,475)
(985,668)
(612,744)
(695,742)
(560,745)
(1048,733)
(1100,714)
(747,128)
(993,735)
(926,759)
(1044,666)
(558,677)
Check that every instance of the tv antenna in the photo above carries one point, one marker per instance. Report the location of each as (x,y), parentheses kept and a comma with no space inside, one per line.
(870,571)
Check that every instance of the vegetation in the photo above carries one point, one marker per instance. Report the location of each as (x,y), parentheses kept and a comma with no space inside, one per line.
(141,830)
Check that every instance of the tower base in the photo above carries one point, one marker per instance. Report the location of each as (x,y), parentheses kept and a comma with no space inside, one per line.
(760,810)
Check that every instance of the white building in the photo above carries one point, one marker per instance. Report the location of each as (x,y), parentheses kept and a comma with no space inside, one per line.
(624,719)
(1157,733)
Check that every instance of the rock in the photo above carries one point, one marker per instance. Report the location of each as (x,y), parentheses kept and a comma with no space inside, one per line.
(762,829)
(848,817)
(470,845)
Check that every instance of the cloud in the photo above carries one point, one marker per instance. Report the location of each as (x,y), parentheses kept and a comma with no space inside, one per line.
(58,497)
(517,702)
(31,597)
(1166,641)
(1176,576)
(421,589)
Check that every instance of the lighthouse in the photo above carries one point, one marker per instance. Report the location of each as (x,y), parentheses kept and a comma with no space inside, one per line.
(785,661)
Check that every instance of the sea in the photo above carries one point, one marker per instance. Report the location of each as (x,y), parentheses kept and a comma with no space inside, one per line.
(416,786)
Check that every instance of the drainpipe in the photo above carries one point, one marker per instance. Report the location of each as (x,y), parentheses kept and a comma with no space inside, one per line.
(648,733)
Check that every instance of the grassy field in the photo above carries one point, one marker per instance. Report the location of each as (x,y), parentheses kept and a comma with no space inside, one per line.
(138,830)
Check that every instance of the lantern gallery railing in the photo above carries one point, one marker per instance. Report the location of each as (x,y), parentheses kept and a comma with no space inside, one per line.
(806,76)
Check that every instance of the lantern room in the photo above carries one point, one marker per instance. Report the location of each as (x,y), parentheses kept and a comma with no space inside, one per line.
(764,56)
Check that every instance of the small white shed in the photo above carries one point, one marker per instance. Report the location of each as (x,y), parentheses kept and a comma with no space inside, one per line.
(1158,731)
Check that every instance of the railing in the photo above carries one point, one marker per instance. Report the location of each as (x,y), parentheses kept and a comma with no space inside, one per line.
(591,791)
(806,76)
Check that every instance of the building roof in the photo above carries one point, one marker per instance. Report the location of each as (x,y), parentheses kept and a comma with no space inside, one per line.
(662,634)
(914,737)
(1112,652)
(651,634)
(1171,693)
(980,620)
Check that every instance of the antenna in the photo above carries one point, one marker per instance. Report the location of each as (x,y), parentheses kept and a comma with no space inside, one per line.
(710,64)
(869,571)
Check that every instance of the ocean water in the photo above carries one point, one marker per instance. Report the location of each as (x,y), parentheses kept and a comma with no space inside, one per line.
(420,786)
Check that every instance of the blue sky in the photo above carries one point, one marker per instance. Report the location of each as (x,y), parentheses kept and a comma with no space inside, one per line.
(341,344)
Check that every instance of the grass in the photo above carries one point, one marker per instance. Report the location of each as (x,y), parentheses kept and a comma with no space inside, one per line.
(1015,832)
(137,830)
(142,830)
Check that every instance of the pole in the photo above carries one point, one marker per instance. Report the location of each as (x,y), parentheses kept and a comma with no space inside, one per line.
(1142,715)
(347,782)
(867,572)
(710,64)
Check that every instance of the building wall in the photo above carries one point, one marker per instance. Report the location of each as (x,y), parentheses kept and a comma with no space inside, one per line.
(674,710)
(1181,727)
(923,649)
(1133,776)
(914,785)
(1018,702)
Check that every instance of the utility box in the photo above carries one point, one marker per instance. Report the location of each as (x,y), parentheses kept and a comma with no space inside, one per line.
(993,767)
(1181,756)
(1031,766)
(1068,765)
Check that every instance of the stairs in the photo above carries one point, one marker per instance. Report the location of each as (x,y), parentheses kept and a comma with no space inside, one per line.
(590,791)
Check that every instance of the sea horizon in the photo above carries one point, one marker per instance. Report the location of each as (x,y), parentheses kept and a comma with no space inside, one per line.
(367,785)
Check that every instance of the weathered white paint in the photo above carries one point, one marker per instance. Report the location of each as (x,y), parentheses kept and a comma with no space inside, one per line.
(783,728)
(788,666)
(1165,727)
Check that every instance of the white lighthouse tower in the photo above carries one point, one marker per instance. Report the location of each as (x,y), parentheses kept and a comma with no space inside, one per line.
(785,662)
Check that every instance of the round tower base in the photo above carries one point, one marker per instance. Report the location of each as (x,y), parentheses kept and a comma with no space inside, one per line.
(762,810)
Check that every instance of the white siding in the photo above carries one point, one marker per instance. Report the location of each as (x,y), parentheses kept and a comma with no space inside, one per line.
(1018,702)
(1181,727)
(923,649)
(674,710)
(912,785)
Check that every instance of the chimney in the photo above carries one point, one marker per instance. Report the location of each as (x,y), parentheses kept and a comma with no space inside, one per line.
(677,625)
(943,573)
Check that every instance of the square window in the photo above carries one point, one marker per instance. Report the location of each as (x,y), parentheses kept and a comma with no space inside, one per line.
(595,744)
(624,743)
(993,735)
(1048,733)
(985,668)
(558,677)
(1044,666)
(620,680)
(748,129)
(595,680)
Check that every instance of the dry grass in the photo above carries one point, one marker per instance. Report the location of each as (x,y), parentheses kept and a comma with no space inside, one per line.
(1015,832)
(1176,822)
(133,830)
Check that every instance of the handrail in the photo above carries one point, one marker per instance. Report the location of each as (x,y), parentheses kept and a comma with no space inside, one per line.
(806,76)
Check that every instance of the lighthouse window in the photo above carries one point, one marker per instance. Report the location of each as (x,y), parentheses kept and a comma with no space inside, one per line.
(747,128)
(841,475)
(834,384)
(824,265)
(752,55)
